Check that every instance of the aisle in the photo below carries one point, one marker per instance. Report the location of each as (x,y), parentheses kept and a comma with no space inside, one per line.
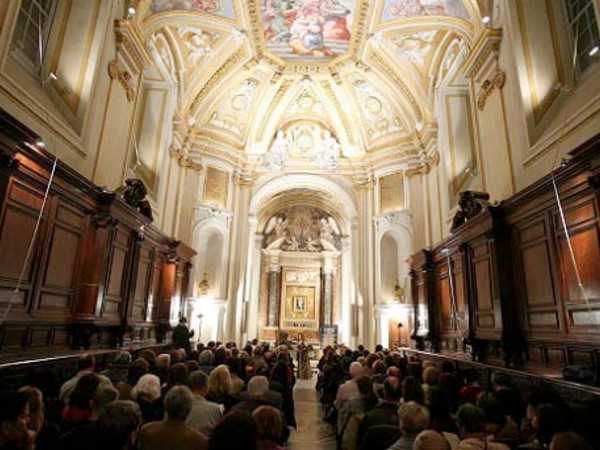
(312,432)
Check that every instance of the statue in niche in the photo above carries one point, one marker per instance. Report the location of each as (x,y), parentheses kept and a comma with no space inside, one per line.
(470,203)
(276,156)
(398,292)
(293,245)
(203,286)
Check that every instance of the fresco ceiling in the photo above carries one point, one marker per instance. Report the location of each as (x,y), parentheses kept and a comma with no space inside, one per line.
(360,71)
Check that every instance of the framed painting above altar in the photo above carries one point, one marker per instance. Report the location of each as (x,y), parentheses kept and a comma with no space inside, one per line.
(300,300)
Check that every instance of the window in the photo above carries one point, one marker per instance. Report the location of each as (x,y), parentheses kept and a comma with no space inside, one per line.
(35,16)
(583,25)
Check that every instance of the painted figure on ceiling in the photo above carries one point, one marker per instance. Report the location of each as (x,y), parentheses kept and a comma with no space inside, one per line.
(306,25)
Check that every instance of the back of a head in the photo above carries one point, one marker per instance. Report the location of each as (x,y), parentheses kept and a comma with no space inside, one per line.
(85,361)
(413,417)
(178,374)
(392,389)
(83,393)
(492,408)
(237,430)
(117,424)
(163,360)
(365,385)
(138,368)
(123,359)
(149,355)
(178,403)
(219,381)
(13,405)
(430,376)
(430,440)
(258,386)
(198,381)
(550,419)
(148,386)
(356,369)
(269,423)
(470,419)
(103,396)
(412,390)
(206,358)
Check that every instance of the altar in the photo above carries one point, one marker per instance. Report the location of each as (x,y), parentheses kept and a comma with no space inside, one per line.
(300,288)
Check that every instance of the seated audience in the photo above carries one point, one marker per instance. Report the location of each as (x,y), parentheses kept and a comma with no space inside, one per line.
(220,388)
(147,394)
(471,425)
(258,394)
(118,426)
(414,418)
(269,424)
(120,368)
(46,432)
(173,433)
(204,415)
(85,365)
(568,440)
(430,440)
(386,413)
(14,421)
(237,430)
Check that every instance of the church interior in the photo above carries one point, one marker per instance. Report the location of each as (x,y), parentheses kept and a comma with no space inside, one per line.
(316,180)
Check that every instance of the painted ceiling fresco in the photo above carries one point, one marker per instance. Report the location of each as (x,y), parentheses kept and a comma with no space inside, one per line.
(307,30)
(223,8)
(404,9)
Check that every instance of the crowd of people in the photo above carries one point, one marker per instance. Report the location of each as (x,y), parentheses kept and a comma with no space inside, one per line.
(215,397)
(220,396)
(383,400)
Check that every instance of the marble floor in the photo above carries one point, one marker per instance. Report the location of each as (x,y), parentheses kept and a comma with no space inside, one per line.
(312,433)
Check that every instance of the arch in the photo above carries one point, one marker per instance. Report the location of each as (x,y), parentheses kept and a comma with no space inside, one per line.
(347,202)
(210,240)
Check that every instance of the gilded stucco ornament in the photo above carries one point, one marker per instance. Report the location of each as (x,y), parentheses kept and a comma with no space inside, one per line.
(489,86)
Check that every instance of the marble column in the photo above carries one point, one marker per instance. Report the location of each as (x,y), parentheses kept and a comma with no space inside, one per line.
(328,271)
(347,291)
(274,281)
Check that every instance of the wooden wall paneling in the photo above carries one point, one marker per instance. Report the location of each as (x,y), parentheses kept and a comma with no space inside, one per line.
(116,281)
(59,282)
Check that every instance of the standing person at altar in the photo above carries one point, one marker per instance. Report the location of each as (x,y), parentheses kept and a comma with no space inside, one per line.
(303,360)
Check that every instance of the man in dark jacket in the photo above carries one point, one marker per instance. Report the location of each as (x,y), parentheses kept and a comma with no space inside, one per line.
(384,414)
(182,335)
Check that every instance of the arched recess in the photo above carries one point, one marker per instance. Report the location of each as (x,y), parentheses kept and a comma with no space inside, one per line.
(210,242)
(390,253)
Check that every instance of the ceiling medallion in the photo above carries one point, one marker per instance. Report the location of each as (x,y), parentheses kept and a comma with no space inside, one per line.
(306,141)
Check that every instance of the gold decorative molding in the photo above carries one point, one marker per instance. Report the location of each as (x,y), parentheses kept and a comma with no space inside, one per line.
(338,107)
(183,160)
(129,40)
(425,167)
(489,86)
(486,46)
(391,73)
(214,79)
(124,78)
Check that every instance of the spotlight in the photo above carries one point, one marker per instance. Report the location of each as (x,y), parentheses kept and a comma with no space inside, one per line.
(131,10)
(594,51)
(486,19)
(40,143)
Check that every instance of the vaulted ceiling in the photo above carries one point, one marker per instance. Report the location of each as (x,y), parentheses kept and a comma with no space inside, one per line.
(362,71)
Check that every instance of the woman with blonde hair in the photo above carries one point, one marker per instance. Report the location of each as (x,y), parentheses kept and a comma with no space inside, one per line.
(220,387)
(147,394)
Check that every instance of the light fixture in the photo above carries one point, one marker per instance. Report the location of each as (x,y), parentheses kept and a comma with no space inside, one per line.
(486,19)
(40,142)
(594,51)
(130,12)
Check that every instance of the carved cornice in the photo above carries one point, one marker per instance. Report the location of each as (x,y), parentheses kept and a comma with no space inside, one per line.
(184,160)
(214,79)
(486,46)
(116,73)
(425,167)
(489,86)
(129,40)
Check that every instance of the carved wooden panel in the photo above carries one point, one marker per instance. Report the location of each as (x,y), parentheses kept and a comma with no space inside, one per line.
(117,274)
(142,283)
